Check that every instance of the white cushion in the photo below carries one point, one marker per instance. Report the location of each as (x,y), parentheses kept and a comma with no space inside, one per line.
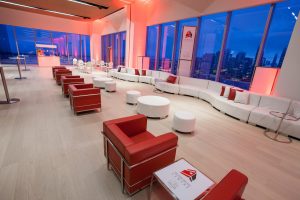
(123,70)
(241,97)
(226,92)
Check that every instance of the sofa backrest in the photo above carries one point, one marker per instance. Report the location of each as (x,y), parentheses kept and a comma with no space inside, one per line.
(295,107)
(214,86)
(148,72)
(195,82)
(131,71)
(164,75)
(155,74)
(254,98)
(275,103)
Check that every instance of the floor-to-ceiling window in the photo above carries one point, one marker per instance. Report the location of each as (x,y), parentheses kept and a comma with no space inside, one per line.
(209,45)
(113,48)
(181,24)
(22,41)
(244,38)
(281,28)
(151,48)
(8,46)
(166,46)
(26,43)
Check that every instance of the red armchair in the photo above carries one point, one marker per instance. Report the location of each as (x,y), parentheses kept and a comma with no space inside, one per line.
(55,68)
(84,97)
(67,80)
(134,153)
(61,72)
(231,187)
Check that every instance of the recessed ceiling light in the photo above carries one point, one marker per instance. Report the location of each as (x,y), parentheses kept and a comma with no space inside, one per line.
(88,4)
(43,9)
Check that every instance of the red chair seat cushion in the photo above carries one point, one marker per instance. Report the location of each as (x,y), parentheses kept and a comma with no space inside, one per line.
(142,137)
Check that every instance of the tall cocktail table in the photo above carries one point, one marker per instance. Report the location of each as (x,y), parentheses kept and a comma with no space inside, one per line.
(182,181)
(153,106)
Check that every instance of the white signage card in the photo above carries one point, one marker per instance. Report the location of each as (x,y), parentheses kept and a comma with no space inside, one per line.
(183,180)
(187,42)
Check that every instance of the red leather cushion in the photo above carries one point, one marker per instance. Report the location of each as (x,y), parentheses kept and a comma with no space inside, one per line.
(143,72)
(232,93)
(171,79)
(142,137)
(222,90)
(137,72)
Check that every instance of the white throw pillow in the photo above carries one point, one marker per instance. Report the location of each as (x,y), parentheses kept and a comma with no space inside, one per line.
(241,97)
(226,92)
(123,70)
(296,110)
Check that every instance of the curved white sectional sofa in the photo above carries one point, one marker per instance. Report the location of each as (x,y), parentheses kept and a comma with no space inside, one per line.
(256,112)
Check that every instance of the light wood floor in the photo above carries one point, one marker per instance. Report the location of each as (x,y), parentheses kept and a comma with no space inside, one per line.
(48,153)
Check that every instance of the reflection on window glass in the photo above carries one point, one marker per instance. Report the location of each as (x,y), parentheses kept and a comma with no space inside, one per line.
(209,46)
(60,40)
(43,37)
(8,44)
(152,33)
(85,48)
(281,28)
(244,38)
(25,38)
(166,46)
(181,24)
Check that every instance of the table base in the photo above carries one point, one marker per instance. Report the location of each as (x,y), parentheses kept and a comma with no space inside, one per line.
(275,136)
(13,100)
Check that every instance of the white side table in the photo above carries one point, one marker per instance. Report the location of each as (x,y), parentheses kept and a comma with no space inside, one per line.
(100,81)
(153,106)
(182,181)
(132,96)
(110,86)
(184,121)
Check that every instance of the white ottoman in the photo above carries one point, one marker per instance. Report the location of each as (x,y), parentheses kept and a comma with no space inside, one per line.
(110,86)
(153,106)
(132,96)
(100,81)
(184,122)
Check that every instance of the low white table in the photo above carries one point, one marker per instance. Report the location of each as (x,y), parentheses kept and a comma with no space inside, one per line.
(182,181)
(132,96)
(153,106)
(100,81)
(184,121)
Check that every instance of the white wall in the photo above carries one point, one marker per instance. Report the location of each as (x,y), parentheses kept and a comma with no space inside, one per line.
(289,78)
(45,22)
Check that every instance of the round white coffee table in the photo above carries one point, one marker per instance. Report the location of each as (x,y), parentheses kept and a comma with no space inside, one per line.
(100,81)
(184,121)
(153,106)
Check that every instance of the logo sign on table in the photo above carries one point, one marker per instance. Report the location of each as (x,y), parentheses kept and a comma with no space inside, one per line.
(186,50)
(190,173)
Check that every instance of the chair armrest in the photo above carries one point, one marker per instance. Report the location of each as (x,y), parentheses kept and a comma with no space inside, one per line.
(73,80)
(70,76)
(230,187)
(139,152)
(84,86)
(131,125)
(88,91)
